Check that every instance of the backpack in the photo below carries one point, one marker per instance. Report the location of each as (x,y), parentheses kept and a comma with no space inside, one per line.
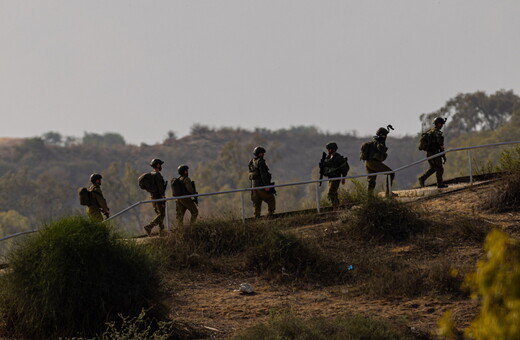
(425,141)
(178,188)
(85,196)
(253,170)
(364,154)
(146,182)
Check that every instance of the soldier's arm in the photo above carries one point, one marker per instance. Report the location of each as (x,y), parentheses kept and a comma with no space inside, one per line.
(159,181)
(100,199)
(189,186)
(264,173)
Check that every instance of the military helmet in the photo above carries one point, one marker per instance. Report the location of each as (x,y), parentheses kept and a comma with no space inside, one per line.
(155,161)
(258,150)
(95,177)
(182,168)
(331,145)
(440,120)
(382,132)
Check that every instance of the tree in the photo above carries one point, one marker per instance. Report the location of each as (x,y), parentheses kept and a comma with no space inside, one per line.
(107,139)
(52,137)
(469,112)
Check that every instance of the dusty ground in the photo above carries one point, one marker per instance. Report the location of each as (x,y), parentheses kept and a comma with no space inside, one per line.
(210,300)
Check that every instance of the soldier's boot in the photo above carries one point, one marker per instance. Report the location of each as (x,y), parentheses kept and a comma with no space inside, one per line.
(162,233)
(371,187)
(422,183)
(148,229)
(441,185)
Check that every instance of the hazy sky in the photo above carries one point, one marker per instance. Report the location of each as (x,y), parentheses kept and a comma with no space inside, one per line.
(142,68)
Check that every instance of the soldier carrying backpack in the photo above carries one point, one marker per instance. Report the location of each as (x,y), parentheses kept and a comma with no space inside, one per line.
(182,186)
(374,153)
(94,200)
(154,183)
(260,176)
(432,141)
(334,165)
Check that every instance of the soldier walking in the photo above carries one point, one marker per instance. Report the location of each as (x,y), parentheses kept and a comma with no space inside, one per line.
(334,165)
(157,191)
(432,142)
(182,186)
(260,176)
(374,154)
(98,204)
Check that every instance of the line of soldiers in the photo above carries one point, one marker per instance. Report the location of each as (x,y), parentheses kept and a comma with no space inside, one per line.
(332,165)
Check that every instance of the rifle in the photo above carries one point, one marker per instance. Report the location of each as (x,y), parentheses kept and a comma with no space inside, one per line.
(321,164)
(195,199)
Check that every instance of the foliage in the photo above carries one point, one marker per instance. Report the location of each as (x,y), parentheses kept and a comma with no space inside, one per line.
(106,139)
(287,326)
(384,219)
(505,195)
(72,277)
(469,112)
(495,285)
(12,222)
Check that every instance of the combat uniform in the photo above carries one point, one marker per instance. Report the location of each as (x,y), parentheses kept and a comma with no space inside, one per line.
(159,189)
(435,145)
(184,204)
(99,204)
(260,176)
(374,163)
(335,165)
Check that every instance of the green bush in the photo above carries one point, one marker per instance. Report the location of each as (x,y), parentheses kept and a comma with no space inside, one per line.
(72,277)
(384,219)
(287,326)
(495,285)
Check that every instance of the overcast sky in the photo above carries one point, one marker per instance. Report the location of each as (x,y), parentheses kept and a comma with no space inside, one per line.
(142,68)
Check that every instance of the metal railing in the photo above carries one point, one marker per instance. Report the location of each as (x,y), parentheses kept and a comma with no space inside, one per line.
(317,182)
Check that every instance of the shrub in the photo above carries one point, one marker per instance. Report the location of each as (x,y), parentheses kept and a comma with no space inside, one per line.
(285,257)
(287,326)
(505,195)
(495,285)
(384,219)
(72,277)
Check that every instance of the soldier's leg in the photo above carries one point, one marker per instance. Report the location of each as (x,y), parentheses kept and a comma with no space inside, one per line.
(439,170)
(371,179)
(94,214)
(180,210)
(333,193)
(257,203)
(430,171)
(270,199)
(160,210)
(192,207)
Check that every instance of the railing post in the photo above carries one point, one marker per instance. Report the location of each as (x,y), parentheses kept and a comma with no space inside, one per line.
(242,201)
(317,198)
(470,161)
(167,215)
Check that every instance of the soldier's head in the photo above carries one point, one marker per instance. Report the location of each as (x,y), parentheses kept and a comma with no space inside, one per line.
(382,132)
(96,179)
(439,122)
(259,151)
(183,169)
(156,163)
(331,147)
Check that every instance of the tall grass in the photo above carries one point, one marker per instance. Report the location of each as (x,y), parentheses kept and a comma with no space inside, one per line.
(267,247)
(287,326)
(72,277)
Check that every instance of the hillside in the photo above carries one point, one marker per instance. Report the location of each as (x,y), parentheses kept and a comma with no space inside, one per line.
(406,283)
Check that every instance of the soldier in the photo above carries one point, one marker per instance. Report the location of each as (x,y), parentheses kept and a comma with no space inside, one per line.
(375,156)
(334,165)
(157,191)
(98,202)
(260,176)
(186,187)
(433,142)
